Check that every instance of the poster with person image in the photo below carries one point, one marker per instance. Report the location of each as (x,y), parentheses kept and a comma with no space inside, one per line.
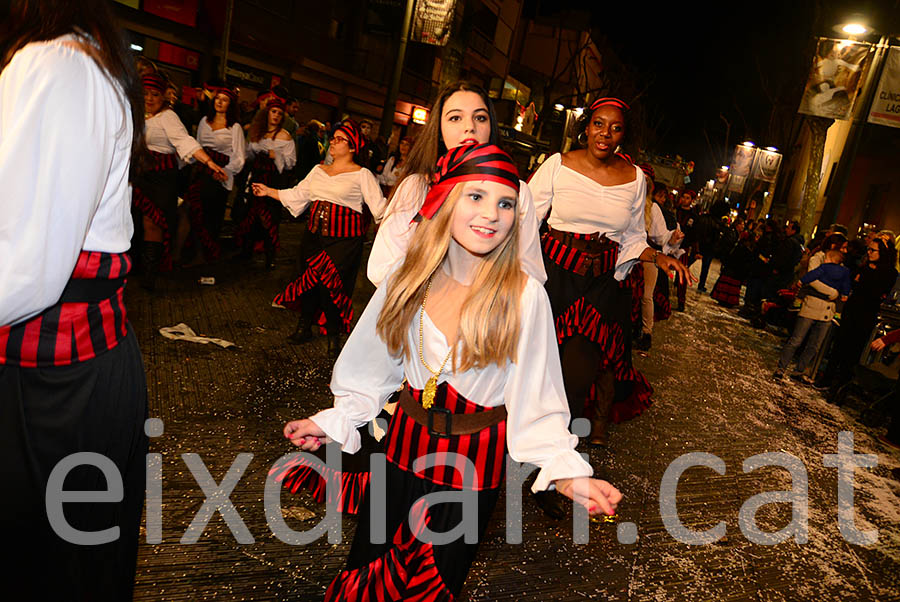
(835,78)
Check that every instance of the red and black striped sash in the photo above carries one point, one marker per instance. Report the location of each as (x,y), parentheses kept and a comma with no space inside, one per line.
(88,319)
(262,162)
(408,440)
(331,219)
(161,161)
(221,159)
(580,253)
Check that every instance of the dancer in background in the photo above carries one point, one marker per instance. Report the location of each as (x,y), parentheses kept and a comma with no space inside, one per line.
(472,336)
(223,140)
(156,187)
(71,375)
(595,201)
(273,155)
(332,248)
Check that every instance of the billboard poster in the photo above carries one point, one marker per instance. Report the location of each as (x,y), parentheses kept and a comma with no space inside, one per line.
(886,104)
(766,166)
(835,78)
(743,160)
(432,20)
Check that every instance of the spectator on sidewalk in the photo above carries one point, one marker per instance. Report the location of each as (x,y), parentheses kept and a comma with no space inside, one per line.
(816,313)
(710,230)
(892,436)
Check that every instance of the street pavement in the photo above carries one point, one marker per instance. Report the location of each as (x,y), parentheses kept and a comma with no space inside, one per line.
(713,394)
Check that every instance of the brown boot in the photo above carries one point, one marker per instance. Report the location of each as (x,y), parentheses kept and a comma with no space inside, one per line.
(605,386)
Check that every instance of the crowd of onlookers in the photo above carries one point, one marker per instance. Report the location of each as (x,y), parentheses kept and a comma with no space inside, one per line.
(827,292)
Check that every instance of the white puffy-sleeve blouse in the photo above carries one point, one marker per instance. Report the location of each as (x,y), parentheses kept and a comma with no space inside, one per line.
(228,141)
(350,189)
(284,150)
(532,389)
(579,204)
(65,150)
(165,133)
(395,232)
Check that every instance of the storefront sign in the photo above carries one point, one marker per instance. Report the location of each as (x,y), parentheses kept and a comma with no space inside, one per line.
(177,55)
(766,165)
(886,104)
(180,11)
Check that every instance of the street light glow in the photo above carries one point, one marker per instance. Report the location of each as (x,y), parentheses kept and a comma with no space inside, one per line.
(136,47)
(748,144)
(578,111)
(724,168)
(772,149)
(558,106)
(854,29)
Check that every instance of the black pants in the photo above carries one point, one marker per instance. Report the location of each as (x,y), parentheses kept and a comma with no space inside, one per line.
(46,415)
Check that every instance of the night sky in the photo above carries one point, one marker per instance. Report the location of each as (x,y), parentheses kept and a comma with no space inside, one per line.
(705,62)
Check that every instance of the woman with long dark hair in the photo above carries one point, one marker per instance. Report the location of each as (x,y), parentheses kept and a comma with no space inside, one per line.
(874,280)
(222,138)
(462,114)
(595,201)
(156,186)
(71,373)
(332,247)
(395,165)
(273,156)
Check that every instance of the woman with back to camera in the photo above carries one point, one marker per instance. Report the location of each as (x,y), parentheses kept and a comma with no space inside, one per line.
(71,375)
(273,156)
(223,140)
(332,248)
(595,201)
(467,334)
(156,187)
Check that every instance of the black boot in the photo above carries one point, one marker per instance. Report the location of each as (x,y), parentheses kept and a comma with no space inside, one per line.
(302,333)
(151,256)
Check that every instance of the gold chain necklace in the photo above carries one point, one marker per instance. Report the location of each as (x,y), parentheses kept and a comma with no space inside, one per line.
(430,386)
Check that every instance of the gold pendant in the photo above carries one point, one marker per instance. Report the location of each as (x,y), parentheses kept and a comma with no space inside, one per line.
(429,392)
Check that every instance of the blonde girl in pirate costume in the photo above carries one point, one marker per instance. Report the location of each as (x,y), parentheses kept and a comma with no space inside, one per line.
(332,248)
(156,187)
(71,374)
(472,335)
(595,201)
(273,155)
(222,138)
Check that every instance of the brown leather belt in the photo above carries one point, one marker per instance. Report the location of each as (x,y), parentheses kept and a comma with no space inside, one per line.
(442,423)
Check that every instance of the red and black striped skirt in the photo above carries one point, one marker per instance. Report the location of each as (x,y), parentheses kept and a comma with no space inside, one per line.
(727,290)
(587,300)
(409,565)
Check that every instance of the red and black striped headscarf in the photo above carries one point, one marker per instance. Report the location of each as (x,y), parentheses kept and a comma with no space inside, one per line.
(275,101)
(354,135)
(609,101)
(469,163)
(154,81)
(229,92)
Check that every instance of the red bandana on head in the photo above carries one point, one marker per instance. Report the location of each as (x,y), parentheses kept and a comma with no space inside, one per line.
(609,101)
(229,92)
(469,163)
(154,81)
(353,133)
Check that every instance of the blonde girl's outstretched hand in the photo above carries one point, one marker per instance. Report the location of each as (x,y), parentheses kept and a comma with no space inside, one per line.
(305,434)
(599,497)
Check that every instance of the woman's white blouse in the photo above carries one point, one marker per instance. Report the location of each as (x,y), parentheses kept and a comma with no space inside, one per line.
(395,232)
(659,234)
(579,204)
(285,152)
(391,172)
(228,141)
(350,189)
(65,150)
(165,133)
(532,389)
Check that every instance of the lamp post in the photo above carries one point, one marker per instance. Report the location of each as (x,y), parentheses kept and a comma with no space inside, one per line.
(387,116)
(858,120)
